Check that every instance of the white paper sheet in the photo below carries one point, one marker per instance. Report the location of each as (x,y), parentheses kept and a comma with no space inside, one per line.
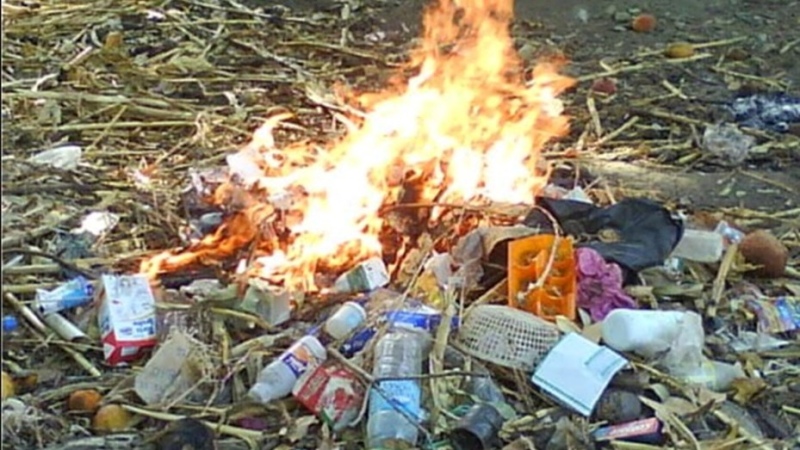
(576,372)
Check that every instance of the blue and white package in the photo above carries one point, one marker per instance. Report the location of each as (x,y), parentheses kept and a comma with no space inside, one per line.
(75,292)
(422,318)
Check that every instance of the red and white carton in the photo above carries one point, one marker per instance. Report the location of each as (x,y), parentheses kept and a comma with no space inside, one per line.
(127,317)
(332,392)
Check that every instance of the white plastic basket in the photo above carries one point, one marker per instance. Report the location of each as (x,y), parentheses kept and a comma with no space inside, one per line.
(507,336)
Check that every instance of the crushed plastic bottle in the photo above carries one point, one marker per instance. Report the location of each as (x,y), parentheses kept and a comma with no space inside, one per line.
(396,402)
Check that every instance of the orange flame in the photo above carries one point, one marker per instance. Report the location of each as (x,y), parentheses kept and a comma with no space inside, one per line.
(468,126)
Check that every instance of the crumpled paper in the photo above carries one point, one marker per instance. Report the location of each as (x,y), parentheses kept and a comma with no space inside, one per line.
(600,285)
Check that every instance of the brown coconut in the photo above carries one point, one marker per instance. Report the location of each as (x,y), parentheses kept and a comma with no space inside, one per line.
(763,249)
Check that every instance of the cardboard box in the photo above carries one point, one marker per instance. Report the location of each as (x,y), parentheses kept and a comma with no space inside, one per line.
(127,317)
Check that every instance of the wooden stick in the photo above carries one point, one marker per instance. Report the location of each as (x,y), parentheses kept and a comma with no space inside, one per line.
(638,67)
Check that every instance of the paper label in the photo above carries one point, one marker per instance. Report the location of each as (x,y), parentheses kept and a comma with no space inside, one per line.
(402,394)
(298,359)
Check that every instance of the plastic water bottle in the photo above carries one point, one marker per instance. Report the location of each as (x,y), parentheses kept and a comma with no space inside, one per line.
(277,379)
(397,354)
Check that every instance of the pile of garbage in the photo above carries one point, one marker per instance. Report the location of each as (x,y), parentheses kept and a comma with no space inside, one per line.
(580,326)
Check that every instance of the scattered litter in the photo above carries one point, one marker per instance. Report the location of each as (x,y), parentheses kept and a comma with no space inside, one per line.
(507,337)
(67,330)
(775,316)
(268,302)
(675,338)
(395,403)
(772,112)
(477,429)
(347,318)
(309,292)
(541,276)
(166,374)
(97,223)
(634,233)
(726,142)
(76,292)
(126,317)
(333,392)
(576,372)
(713,375)
(700,246)
(645,431)
(370,274)
(278,378)
(65,158)
(600,285)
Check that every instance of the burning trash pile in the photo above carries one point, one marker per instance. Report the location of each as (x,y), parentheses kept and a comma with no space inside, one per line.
(424,282)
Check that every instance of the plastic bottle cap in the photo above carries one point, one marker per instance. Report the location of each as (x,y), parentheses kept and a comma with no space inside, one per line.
(10,324)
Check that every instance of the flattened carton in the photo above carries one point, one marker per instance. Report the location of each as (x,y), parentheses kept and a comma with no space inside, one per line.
(127,317)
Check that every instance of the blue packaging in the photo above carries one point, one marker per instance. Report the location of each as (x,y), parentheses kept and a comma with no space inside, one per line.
(423,318)
(789,312)
(75,292)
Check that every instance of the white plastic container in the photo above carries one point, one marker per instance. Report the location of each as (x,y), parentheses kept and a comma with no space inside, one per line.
(700,246)
(645,332)
(345,320)
(277,379)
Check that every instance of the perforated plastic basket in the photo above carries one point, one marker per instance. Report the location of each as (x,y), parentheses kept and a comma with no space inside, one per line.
(507,336)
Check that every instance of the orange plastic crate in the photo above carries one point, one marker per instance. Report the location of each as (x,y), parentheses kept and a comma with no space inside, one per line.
(527,261)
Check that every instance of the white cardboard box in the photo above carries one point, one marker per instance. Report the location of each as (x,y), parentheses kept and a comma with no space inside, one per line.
(127,317)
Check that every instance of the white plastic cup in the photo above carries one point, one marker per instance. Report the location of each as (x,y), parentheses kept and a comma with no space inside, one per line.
(345,320)
(645,332)
(278,378)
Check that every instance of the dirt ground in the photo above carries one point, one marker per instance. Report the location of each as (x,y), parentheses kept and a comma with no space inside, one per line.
(591,32)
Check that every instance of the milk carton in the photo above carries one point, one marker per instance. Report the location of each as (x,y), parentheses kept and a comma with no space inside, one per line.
(127,317)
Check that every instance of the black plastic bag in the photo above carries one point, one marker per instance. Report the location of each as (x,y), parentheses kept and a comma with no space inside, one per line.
(634,233)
